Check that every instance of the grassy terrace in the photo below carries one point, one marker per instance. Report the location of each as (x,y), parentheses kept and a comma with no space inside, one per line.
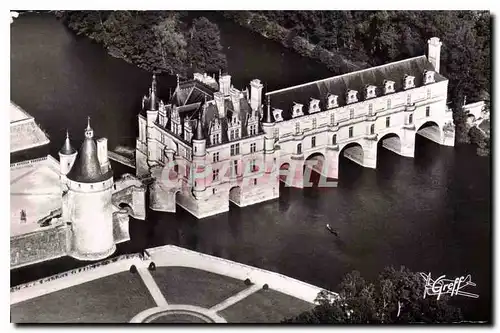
(265,306)
(118,298)
(112,299)
(184,285)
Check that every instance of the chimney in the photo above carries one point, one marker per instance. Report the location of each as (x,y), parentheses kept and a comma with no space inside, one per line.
(225,84)
(219,102)
(255,94)
(434,52)
(235,99)
(102,153)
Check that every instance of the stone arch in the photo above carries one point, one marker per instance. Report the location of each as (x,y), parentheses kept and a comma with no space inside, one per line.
(126,207)
(314,162)
(354,152)
(390,141)
(431,130)
(235,194)
(284,172)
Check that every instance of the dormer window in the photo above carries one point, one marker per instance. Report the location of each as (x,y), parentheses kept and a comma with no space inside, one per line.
(352,96)
(409,82)
(297,110)
(429,77)
(332,101)
(277,114)
(388,87)
(370,92)
(313,105)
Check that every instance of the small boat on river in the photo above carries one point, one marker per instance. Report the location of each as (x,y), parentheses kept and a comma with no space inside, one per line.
(329,228)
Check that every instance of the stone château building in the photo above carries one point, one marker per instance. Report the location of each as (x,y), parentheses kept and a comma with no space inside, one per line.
(212,143)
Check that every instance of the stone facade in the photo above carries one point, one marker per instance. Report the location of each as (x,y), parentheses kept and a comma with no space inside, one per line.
(300,128)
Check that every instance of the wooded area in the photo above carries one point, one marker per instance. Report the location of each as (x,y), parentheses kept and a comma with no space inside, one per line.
(157,41)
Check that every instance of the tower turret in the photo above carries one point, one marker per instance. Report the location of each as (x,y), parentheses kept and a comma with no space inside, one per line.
(151,117)
(199,154)
(268,127)
(88,203)
(67,155)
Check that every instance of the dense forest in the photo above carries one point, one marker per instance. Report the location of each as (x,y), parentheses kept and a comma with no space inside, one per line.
(157,41)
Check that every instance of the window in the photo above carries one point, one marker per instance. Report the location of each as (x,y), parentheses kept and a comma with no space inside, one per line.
(235,149)
(195,150)
(313,142)
(213,190)
(253,130)
(253,147)
(427,111)
(372,129)
(351,130)
(255,181)
(334,139)
(253,167)
(387,121)
(370,109)
(388,103)
(299,148)
(235,165)
(297,128)
(216,157)
(410,119)
(215,174)
(187,171)
(314,122)
(231,135)
(351,113)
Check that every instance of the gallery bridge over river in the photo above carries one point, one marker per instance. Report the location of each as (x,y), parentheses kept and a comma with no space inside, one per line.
(227,145)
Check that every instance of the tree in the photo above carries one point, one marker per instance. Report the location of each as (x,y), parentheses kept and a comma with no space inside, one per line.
(170,44)
(204,50)
(397,297)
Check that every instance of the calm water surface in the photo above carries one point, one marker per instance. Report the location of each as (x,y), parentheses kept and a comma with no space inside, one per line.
(430,213)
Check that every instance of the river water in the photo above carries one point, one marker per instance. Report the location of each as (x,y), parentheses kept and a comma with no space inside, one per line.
(431,213)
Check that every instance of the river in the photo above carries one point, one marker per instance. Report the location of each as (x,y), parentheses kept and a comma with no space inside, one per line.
(431,213)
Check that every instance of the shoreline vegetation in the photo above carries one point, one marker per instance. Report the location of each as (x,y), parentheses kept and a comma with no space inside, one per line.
(344,41)
(156,41)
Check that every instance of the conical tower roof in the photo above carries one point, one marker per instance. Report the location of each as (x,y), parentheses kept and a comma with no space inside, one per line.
(67,148)
(198,134)
(87,168)
(268,115)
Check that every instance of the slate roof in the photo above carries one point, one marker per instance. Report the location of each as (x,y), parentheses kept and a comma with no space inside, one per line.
(339,85)
(86,168)
(67,148)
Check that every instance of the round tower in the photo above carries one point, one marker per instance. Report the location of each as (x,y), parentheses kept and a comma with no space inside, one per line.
(67,156)
(199,154)
(268,127)
(89,203)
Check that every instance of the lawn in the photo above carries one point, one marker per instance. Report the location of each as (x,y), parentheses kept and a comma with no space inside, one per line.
(265,306)
(112,299)
(184,285)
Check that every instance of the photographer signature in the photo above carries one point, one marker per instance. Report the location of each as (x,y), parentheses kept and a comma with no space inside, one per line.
(442,286)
